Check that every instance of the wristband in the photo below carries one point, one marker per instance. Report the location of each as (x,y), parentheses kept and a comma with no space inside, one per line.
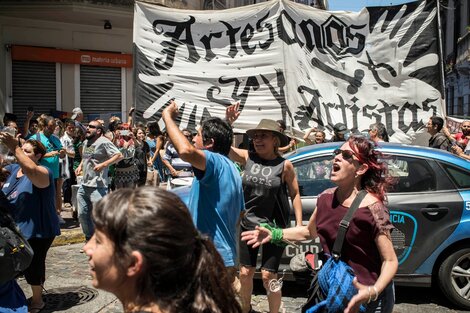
(276,234)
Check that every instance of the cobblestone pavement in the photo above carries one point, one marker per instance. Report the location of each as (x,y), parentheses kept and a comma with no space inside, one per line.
(69,289)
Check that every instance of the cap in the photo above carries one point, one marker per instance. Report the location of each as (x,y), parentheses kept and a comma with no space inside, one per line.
(340,128)
(75,112)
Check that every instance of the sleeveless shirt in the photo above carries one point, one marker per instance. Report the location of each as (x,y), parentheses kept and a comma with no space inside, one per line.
(265,194)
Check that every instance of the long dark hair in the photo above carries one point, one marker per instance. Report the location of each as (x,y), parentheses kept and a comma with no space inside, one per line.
(182,270)
(376,180)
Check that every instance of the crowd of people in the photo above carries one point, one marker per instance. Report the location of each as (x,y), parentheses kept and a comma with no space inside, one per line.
(167,256)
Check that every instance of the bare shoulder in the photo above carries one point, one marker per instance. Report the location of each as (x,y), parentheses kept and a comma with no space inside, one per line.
(288,165)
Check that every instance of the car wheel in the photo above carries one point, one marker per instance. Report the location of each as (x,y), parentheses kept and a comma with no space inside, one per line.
(454,278)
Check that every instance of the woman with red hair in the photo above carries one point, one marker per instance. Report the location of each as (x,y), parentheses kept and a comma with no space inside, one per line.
(367,247)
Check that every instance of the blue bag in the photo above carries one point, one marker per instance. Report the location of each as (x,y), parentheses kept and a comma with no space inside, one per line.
(336,282)
(332,286)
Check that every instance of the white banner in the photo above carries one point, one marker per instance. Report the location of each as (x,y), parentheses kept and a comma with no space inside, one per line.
(283,60)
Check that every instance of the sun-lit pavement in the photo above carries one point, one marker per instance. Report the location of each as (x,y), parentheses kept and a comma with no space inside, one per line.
(69,289)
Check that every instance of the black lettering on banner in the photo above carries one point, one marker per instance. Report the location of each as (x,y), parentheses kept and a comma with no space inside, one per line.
(361,39)
(282,32)
(205,114)
(427,107)
(206,41)
(315,33)
(327,106)
(171,46)
(307,113)
(279,96)
(334,25)
(265,45)
(372,115)
(387,112)
(245,37)
(231,32)
(342,106)
(251,83)
(355,109)
(334,29)
(414,124)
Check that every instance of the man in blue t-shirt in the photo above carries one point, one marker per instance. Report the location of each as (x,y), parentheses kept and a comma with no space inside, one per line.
(216,197)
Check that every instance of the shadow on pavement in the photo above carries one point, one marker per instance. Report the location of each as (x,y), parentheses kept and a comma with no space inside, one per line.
(421,295)
(60,299)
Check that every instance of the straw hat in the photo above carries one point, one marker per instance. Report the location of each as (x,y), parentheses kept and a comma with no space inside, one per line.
(271,126)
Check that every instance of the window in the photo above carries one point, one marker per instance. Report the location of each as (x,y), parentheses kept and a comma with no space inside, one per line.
(313,175)
(412,175)
(458,175)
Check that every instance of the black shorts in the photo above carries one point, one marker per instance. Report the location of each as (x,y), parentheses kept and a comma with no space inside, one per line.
(270,259)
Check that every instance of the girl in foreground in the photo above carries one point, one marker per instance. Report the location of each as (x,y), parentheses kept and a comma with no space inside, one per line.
(148,253)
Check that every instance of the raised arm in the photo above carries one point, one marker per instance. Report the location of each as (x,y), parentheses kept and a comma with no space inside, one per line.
(291,144)
(238,155)
(186,150)
(130,119)
(29,116)
(38,175)
(307,134)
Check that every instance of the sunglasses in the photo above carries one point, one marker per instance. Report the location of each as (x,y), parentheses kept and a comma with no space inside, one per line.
(92,126)
(346,154)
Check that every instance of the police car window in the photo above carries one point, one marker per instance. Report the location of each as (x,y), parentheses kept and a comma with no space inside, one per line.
(411,174)
(313,175)
(458,175)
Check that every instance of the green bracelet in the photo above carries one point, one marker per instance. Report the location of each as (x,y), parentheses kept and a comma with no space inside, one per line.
(276,234)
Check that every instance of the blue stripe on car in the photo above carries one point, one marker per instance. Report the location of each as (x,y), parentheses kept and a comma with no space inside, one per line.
(460,233)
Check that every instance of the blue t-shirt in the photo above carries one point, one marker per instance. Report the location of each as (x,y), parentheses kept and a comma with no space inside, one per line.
(34,208)
(216,201)
(52,143)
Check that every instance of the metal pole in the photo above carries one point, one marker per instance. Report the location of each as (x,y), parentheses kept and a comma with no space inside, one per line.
(441,52)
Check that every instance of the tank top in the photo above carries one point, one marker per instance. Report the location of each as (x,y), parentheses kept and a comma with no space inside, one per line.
(265,194)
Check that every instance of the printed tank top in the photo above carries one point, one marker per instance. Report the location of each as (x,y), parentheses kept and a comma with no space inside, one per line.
(265,194)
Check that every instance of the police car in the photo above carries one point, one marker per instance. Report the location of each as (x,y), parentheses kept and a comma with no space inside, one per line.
(429,207)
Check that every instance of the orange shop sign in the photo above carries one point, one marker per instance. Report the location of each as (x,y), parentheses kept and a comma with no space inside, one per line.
(27,53)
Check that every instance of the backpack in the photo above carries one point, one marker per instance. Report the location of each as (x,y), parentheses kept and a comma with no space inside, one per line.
(15,252)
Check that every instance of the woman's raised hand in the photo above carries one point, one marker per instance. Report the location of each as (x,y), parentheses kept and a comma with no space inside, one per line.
(257,237)
(8,140)
(232,113)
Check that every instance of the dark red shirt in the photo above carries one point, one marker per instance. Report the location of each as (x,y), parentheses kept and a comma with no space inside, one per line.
(359,248)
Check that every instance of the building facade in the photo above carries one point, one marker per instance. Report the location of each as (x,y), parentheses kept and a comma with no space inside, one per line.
(59,54)
(456,28)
